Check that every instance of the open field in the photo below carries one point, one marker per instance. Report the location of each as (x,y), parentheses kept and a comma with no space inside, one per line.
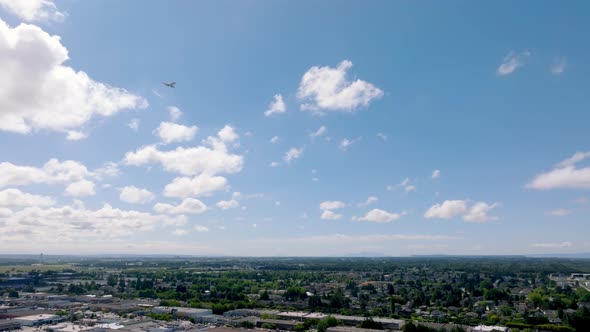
(28,268)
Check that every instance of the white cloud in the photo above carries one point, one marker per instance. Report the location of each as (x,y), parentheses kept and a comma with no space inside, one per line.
(559,212)
(389,187)
(370,200)
(409,188)
(275,139)
(276,107)
(180,231)
(53,171)
(108,169)
(64,224)
(553,245)
(293,153)
(321,130)
(133,124)
(565,175)
(512,62)
(331,205)
(170,132)
(81,188)
(54,96)
(189,161)
(327,89)
(200,185)
(33,10)
(382,136)
(14,197)
(188,205)
(559,66)
(477,212)
(576,158)
(200,228)
(380,216)
(227,134)
(175,113)
(330,215)
(436,174)
(447,210)
(274,164)
(229,204)
(134,195)
(74,135)
(346,143)
(232,203)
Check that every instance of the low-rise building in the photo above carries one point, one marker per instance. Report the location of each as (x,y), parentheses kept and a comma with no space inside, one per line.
(37,320)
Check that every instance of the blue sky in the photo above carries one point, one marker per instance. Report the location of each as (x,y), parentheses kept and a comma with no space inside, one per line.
(295,128)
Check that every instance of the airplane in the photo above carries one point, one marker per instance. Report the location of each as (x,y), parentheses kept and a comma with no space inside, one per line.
(170,84)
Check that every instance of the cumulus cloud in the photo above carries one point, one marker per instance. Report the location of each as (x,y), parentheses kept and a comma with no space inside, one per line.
(180,231)
(175,113)
(553,245)
(382,136)
(230,204)
(330,215)
(68,223)
(346,143)
(53,171)
(331,205)
(227,134)
(292,154)
(134,195)
(435,174)
(321,130)
(33,10)
(276,107)
(200,185)
(478,212)
(559,65)
(512,61)
(170,132)
(565,175)
(328,89)
(274,164)
(328,206)
(108,169)
(380,216)
(74,135)
(54,96)
(449,209)
(370,200)
(80,188)
(200,228)
(188,205)
(406,185)
(14,197)
(133,124)
(275,139)
(189,161)
(559,212)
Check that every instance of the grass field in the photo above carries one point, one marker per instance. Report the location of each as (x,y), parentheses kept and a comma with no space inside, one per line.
(28,268)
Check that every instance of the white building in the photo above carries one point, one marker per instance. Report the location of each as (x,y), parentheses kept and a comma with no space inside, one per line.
(486,328)
(36,320)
